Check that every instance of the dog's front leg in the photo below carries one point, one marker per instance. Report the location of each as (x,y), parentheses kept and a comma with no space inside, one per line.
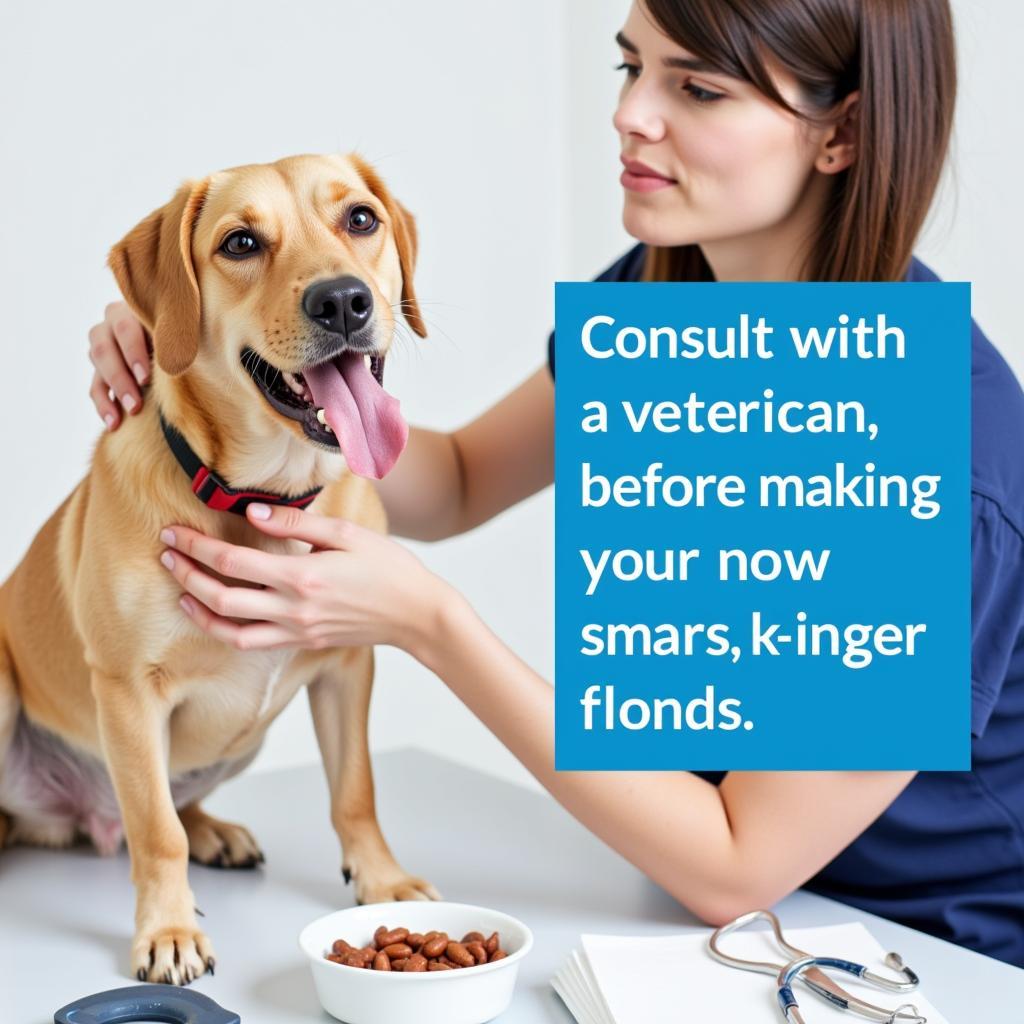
(340,701)
(134,727)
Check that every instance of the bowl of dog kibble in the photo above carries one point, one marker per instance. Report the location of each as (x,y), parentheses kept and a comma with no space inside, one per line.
(432,963)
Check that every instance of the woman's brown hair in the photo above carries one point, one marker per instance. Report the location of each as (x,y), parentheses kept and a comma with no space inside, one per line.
(900,54)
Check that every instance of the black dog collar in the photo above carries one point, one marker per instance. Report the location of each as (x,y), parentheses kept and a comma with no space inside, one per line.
(212,491)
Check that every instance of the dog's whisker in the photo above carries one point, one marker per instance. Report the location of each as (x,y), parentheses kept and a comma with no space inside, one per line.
(373,161)
(434,329)
(433,325)
(404,306)
(403,325)
(251,363)
(432,302)
(406,340)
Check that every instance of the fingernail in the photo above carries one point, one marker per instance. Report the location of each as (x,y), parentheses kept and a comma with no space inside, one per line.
(109,420)
(128,402)
(140,373)
(167,559)
(167,536)
(259,511)
(186,605)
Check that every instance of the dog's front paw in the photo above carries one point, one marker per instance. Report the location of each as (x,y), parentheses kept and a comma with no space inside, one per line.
(390,886)
(173,956)
(219,844)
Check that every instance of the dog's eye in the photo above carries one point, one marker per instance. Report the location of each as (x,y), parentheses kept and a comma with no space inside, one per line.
(362,220)
(239,244)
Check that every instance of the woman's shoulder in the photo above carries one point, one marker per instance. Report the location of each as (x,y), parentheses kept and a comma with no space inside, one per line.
(997,420)
(997,429)
(627,267)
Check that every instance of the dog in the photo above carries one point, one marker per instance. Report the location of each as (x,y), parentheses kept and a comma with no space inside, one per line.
(271,293)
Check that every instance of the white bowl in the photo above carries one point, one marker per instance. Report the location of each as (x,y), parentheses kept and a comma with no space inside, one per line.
(472,995)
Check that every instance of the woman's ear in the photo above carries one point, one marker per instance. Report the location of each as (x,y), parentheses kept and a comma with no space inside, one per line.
(154,270)
(839,146)
(404,227)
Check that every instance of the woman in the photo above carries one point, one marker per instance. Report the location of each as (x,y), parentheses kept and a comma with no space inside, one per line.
(792,140)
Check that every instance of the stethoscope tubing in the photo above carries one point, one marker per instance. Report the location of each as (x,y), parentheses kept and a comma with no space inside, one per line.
(811,974)
(794,970)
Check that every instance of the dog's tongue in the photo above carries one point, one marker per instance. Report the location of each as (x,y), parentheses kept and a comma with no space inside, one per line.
(363,416)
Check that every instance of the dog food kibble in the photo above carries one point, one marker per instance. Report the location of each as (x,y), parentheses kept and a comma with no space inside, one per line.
(398,949)
(435,946)
(458,954)
(383,937)
(416,963)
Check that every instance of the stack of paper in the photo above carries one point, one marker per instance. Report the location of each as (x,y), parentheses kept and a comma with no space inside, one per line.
(620,980)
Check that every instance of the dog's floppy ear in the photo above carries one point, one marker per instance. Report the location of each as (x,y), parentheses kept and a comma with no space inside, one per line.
(404,226)
(153,267)
(408,244)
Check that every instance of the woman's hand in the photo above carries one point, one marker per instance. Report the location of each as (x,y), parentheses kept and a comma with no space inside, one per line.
(115,344)
(356,587)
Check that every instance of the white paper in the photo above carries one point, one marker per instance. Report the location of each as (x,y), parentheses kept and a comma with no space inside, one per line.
(647,980)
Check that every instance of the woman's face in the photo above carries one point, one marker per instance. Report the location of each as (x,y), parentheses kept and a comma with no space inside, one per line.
(707,157)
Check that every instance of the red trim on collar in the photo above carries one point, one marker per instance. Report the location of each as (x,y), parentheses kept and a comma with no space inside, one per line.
(214,492)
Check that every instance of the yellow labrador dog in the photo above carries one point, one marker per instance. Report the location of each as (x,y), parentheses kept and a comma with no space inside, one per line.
(270,292)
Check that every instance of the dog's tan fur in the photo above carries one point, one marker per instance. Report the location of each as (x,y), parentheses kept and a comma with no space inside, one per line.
(94,648)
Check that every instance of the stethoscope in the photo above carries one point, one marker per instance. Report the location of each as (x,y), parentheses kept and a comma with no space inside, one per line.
(805,967)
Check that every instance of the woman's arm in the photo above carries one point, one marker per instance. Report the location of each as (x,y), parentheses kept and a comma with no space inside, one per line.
(720,851)
(442,485)
(446,484)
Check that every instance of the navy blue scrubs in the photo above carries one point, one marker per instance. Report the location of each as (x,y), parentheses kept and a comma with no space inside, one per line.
(947,856)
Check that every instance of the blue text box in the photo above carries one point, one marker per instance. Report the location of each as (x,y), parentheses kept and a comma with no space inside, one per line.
(887,567)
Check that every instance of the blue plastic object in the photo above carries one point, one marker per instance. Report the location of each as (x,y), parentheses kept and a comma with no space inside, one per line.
(145,1003)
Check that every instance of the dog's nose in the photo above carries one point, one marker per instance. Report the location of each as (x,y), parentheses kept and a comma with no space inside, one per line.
(342,304)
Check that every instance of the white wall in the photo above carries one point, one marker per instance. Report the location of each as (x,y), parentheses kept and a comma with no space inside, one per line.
(491,121)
